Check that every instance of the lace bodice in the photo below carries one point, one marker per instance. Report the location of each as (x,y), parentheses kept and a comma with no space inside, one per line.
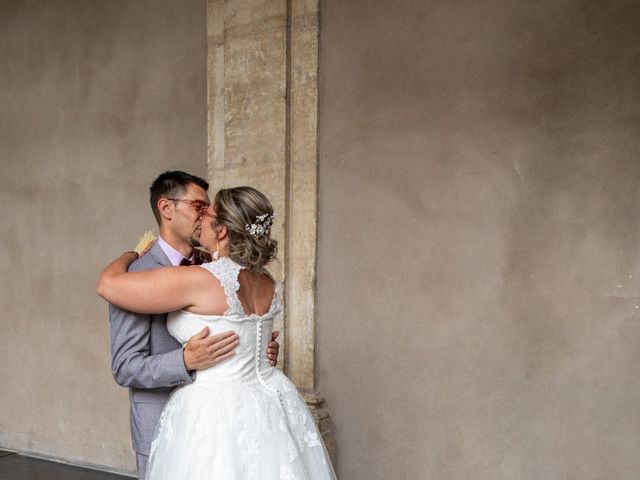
(254,331)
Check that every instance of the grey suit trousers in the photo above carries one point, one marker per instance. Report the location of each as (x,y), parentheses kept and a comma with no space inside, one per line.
(141,464)
(146,359)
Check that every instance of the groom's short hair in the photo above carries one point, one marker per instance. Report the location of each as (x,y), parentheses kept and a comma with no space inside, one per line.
(171,184)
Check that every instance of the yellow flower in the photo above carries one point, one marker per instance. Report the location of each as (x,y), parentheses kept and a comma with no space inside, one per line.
(145,242)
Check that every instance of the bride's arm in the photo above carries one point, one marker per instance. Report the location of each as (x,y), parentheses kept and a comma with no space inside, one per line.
(153,291)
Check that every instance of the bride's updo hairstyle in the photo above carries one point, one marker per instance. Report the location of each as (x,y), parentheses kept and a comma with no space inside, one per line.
(247,214)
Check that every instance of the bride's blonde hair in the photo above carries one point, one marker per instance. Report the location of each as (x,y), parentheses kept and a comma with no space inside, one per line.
(239,209)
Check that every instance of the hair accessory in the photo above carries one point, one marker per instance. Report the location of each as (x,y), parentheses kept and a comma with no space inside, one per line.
(262,225)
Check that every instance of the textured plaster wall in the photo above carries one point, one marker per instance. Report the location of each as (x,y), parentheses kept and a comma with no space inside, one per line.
(97,98)
(479,257)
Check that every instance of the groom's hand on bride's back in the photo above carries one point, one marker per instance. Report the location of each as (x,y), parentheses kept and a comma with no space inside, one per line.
(203,351)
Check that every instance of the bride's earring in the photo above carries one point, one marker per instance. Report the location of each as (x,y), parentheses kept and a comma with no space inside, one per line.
(216,254)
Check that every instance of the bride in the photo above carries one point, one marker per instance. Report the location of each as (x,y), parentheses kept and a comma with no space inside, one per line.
(241,419)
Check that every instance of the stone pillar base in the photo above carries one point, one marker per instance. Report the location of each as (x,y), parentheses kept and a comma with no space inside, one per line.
(316,405)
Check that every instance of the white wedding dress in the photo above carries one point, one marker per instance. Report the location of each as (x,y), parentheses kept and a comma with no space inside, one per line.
(241,419)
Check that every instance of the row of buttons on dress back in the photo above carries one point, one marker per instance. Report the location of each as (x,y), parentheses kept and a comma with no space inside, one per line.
(258,353)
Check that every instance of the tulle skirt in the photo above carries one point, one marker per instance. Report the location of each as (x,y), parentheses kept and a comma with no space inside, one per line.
(238,431)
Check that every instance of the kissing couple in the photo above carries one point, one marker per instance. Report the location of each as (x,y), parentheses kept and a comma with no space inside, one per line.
(207,401)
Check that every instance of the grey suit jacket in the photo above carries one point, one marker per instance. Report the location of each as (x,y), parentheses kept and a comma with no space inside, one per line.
(146,359)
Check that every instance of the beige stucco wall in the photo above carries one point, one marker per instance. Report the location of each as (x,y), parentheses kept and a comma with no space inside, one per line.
(479,228)
(97,98)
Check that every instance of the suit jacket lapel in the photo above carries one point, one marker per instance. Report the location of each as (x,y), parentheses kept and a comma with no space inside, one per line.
(159,256)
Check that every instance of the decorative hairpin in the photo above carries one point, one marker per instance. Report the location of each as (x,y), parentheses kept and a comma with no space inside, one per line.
(262,225)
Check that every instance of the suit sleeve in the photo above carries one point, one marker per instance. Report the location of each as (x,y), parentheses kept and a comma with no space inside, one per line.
(131,364)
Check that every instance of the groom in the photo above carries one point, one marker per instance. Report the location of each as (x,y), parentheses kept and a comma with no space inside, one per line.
(145,357)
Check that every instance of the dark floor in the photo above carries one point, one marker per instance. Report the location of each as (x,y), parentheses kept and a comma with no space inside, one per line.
(14,466)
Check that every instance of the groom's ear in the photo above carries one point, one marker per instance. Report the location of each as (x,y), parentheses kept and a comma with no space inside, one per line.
(165,208)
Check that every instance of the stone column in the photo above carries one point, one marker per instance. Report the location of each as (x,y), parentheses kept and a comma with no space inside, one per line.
(262,131)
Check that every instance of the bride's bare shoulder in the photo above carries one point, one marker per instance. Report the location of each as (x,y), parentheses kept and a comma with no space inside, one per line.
(212,299)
